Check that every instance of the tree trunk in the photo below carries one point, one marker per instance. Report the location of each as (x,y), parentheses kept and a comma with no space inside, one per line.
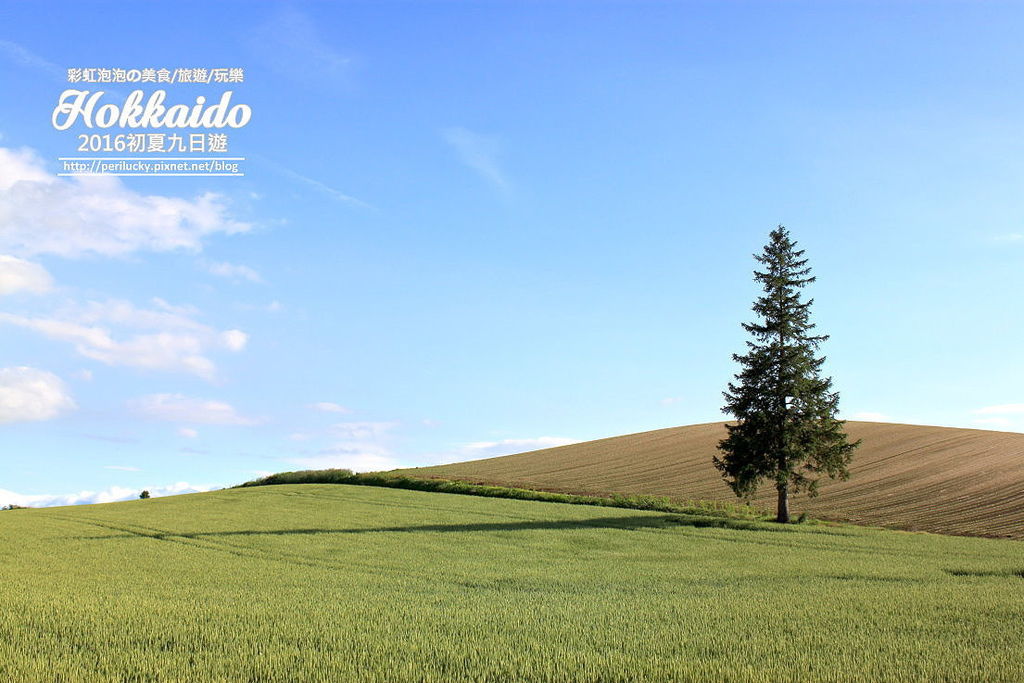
(783,514)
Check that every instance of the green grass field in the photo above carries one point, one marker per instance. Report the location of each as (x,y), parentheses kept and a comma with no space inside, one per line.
(343,583)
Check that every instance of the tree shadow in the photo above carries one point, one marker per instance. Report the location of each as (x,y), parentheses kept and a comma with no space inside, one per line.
(984,573)
(630,523)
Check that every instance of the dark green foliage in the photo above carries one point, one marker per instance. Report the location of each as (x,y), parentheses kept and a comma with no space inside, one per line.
(332,476)
(655,503)
(786,430)
(144,495)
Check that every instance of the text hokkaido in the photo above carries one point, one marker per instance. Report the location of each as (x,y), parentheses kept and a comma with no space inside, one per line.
(134,113)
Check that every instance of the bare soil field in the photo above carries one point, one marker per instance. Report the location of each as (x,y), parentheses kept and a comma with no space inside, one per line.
(938,479)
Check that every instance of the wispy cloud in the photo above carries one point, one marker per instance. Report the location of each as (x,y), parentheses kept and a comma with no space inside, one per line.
(329,407)
(346,457)
(273,307)
(110,495)
(358,446)
(480,153)
(1005,416)
(22,56)
(362,431)
(320,187)
(993,422)
(290,44)
(188,410)
(1002,409)
(491,449)
(868,416)
(1010,237)
(107,438)
(233,271)
(164,337)
(121,468)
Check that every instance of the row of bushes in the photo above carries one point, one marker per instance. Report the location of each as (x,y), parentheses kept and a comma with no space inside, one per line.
(635,502)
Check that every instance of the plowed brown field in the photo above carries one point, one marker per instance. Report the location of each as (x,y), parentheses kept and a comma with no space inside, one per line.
(939,479)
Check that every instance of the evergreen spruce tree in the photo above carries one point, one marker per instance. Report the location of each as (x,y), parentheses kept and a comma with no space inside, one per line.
(786,430)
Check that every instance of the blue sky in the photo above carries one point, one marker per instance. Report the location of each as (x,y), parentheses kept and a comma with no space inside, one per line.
(474,229)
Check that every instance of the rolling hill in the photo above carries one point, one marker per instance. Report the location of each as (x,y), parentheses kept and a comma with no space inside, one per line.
(938,479)
(329,582)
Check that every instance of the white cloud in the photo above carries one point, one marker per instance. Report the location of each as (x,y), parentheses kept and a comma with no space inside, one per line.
(479,450)
(870,417)
(234,340)
(41,213)
(110,495)
(84,375)
(360,446)
(170,339)
(27,394)
(1003,416)
(993,422)
(233,271)
(272,307)
(188,432)
(162,316)
(121,468)
(361,431)
(179,408)
(328,407)
(1003,409)
(17,275)
(1010,237)
(490,449)
(671,400)
(479,152)
(349,458)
